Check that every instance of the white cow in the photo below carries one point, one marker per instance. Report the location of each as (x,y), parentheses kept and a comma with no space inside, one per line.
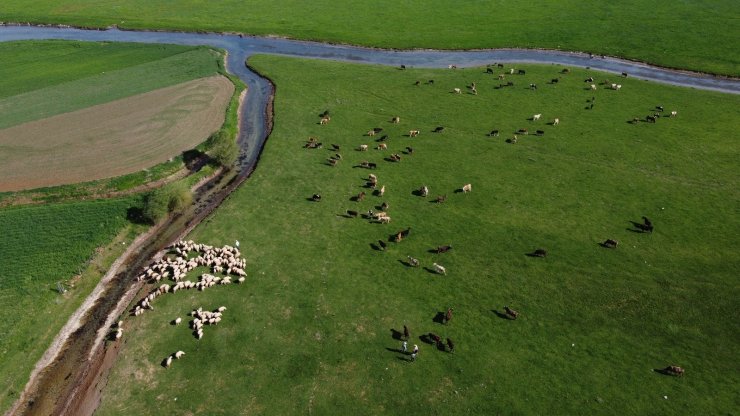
(440,269)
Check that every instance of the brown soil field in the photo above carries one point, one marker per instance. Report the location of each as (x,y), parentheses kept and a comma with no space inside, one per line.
(112,139)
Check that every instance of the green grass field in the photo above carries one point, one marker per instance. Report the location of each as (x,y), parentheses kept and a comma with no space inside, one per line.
(86,74)
(40,246)
(310,330)
(697,35)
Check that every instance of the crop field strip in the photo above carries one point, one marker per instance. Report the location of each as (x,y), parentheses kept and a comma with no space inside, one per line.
(33,65)
(114,138)
(696,35)
(40,246)
(310,330)
(36,104)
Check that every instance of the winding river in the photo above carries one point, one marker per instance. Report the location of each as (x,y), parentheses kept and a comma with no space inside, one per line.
(52,391)
(253,126)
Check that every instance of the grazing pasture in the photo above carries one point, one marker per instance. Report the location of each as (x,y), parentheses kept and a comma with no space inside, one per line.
(698,35)
(317,326)
(39,247)
(114,138)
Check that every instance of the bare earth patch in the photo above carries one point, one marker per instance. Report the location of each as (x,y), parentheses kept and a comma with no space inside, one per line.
(112,139)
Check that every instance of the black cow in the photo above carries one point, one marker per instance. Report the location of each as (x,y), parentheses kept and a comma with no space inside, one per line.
(443,249)
(610,243)
(540,252)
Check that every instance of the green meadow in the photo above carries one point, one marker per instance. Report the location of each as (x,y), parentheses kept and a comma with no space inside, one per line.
(696,35)
(311,330)
(41,246)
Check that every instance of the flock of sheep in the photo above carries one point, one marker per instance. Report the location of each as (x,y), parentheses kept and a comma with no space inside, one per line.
(224,260)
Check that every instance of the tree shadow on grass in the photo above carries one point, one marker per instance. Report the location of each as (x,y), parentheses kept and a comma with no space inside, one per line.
(135,215)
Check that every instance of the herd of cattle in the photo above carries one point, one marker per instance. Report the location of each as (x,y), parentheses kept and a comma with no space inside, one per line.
(226,261)
(372,181)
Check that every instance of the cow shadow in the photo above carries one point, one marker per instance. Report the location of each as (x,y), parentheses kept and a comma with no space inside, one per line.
(375,247)
(405,263)
(501,315)
(458,191)
(426,339)
(664,371)
(432,251)
(534,254)
(638,227)
(439,318)
(432,271)
(397,335)
(311,199)
(416,192)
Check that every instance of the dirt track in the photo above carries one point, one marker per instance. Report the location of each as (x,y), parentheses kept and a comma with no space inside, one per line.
(112,139)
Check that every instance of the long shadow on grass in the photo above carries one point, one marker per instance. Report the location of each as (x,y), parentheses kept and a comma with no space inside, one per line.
(405,263)
(439,318)
(397,335)
(501,315)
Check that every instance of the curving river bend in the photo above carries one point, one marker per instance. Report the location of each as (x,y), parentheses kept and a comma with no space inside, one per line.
(253,126)
(55,393)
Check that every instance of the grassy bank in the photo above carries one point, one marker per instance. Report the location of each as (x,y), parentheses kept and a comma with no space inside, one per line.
(311,329)
(697,35)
